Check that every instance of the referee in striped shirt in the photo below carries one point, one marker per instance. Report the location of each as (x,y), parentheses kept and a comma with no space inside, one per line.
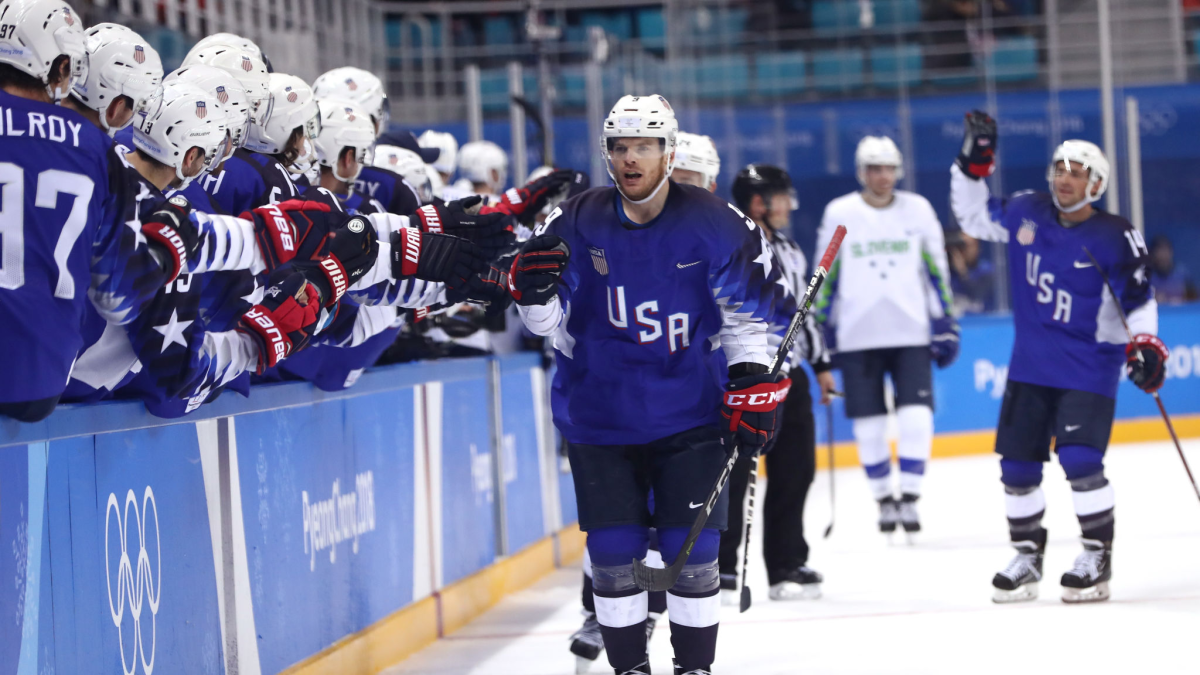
(765,194)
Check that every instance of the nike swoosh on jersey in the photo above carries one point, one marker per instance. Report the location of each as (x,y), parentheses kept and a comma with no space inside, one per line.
(681,265)
(1080,264)
(1072,427)
(694,506)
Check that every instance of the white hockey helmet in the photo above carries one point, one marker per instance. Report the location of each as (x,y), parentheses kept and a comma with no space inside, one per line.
(877,151)
(484,162)
(120,63)
(185,117)
(228,92)
(694,152)
(343,125)
(35,33)
(436,184)
(247,68)
(1089,156)
(408,164)
(360,87)
(641,117)
(229,40)
(295,106)
(444,141)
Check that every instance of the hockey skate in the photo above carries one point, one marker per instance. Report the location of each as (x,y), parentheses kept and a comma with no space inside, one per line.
(889,515)
(587,643)
(1088,580)
(909,519)
(802,583)
(695,671)
(1018,582)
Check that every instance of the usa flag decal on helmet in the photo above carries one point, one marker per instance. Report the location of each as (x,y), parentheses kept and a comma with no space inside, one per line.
(201,110)
(139,54)
(246,64)
(222,95)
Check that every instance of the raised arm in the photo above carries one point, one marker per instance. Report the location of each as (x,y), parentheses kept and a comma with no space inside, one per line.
(978,213)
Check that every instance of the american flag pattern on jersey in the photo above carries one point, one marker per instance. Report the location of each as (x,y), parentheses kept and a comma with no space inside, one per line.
(598,260)
(1026,233)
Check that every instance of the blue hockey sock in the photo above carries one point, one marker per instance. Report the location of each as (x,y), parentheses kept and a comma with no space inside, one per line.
(621,607)
(1090,490)
(694,603)
(1024,503)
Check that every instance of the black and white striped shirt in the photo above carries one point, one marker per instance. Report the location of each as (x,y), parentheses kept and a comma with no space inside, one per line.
(809,344)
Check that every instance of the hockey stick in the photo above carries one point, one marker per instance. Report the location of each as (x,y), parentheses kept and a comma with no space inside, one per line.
(829,446)
(662,578)
(1141,359)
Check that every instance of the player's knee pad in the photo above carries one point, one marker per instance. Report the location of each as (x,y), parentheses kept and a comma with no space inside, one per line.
(915,426)
(705,549)
(870,433)
(1081,461)
(1019,473)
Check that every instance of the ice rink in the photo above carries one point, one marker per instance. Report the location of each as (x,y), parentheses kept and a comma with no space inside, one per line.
(894,608)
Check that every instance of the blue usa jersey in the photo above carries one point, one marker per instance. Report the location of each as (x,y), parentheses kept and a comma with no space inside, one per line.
(247,181)
(647,309)
(1068,331)
(62,241)
(389,189)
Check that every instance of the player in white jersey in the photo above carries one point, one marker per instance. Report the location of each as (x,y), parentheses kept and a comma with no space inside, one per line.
(1068,348)
(886,309)
(765,194)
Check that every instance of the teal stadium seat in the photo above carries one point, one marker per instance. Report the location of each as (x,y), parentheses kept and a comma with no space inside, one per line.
(889,13)
(572,87)
(616,22)
(499,30)
(1015,59)
(833,17)
(727,75)
(651,27)
(837,69)
(886,63)
(780,73)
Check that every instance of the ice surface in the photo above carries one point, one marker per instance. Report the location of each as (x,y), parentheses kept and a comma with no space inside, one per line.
(895,608)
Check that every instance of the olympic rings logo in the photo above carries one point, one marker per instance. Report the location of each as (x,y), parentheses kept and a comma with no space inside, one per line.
(140,589)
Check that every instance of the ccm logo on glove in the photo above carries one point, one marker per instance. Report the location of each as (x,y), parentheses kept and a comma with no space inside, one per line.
(761,398)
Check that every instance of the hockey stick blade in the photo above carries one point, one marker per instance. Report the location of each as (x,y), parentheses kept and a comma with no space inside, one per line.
(662,578)
(745,604)
(1157,399)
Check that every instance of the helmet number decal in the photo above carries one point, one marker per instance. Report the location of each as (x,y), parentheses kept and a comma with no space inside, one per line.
(7,30)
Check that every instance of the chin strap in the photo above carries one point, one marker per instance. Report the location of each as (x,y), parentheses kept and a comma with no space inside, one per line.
(1078,205)
(349,180)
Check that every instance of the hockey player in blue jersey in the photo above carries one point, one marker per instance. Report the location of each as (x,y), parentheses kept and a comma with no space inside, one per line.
(63,237)
(658,296)
(366,91)
(1069,346)
(127,74)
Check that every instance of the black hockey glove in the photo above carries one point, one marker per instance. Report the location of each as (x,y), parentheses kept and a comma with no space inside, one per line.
(943,342)
(749,408)
(435,257)
(536,269)
(285,319)
(489,230)
(170,231)
(349,253)
(977,158)
(1148,372)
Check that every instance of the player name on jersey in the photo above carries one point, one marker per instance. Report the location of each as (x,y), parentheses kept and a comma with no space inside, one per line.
(39,125)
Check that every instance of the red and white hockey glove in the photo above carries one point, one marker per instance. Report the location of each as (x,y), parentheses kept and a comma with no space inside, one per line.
(750,406)
(1148,372)
(169,229)
(284,321)
(490,230)
(524,203)
(282,230)
(977,157)
(536,269)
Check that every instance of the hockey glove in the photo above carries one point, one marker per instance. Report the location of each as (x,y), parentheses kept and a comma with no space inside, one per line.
(977,158)
(350,252)
(749,408)
(524,203)
(284,321)
(282,230)
(490,230)
(170,231)
(943,342)
(536,269)
(1150,370)
(435,257)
